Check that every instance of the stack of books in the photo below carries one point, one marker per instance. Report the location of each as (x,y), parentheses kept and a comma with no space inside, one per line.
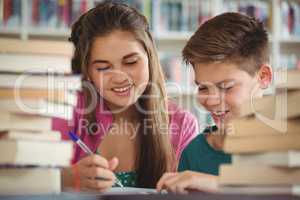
(265,142)
(35,85)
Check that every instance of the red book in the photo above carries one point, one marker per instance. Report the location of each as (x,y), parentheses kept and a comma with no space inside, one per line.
(7,10)
(35,12)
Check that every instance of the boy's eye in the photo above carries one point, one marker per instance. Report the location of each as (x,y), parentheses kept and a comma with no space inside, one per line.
(226,86)
(202,89)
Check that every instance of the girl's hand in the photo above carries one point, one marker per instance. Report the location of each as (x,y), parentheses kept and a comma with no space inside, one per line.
(183,182)
(92,173)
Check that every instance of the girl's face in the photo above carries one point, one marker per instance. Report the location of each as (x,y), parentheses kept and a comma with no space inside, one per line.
(118,68)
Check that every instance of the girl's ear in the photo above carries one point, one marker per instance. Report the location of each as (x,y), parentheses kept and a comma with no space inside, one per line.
(264,76)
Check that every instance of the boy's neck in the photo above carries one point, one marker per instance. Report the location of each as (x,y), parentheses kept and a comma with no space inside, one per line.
(216,140)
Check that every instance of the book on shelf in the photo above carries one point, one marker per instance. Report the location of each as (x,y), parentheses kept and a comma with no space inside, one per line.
(36,47)
(290,15)
(253,126)
(40,81)
(31,63)
(57,96)
(11,13)
(289,62)
(282,105)
(182,16)
(290,158)
(255,8)
(55,14)
(259,175)
(37,107)
(24,122)
(19,152)
(288,79)
(259,190)
(11,134)
(29,181)
(1,12)
(263,143)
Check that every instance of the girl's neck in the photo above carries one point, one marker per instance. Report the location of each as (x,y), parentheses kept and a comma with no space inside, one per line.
(128,114)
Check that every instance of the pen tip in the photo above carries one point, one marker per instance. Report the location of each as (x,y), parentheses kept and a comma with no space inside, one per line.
(73,136)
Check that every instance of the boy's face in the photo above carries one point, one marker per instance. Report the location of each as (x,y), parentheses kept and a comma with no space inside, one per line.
(222,89)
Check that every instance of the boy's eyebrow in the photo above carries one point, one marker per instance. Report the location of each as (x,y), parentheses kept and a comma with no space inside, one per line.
(224,81)
(218,83)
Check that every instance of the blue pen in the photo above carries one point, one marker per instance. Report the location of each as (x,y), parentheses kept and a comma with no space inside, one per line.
(86,149)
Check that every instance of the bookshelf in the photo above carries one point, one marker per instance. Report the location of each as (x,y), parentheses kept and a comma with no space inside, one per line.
(172,23)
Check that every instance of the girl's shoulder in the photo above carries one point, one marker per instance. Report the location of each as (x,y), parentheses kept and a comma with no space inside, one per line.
(183,127)
(179,115)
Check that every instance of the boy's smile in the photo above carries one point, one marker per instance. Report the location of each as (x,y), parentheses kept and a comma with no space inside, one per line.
(223,88)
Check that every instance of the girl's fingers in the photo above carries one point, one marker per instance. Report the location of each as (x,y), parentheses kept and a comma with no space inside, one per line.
(98,172)
(93,184)
(113,163)
(94,160)
(163,179)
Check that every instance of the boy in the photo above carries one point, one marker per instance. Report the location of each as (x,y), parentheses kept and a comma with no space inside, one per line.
(229,55)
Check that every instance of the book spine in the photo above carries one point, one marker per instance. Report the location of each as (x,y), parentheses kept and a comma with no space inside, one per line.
(7,11)
(35,12)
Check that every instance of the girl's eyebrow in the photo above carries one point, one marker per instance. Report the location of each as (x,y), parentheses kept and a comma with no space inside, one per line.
(124,57)
(130,55)
(99,61)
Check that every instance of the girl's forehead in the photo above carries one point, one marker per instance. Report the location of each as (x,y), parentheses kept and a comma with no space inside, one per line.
(115,44)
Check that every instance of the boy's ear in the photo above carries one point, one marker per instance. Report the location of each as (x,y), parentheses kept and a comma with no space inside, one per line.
(264,76)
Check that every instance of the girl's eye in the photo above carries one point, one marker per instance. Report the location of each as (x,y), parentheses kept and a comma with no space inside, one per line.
(131,61)
(102,68)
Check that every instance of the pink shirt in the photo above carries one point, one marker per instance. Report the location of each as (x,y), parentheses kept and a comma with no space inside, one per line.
(183,127)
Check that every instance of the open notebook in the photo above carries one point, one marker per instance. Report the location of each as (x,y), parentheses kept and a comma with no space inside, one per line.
(130,190)
(117,191)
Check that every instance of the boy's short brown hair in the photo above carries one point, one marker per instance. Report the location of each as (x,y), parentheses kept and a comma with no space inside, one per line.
(229,37)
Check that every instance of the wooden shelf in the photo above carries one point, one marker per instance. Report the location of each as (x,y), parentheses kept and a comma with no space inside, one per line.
(10,30)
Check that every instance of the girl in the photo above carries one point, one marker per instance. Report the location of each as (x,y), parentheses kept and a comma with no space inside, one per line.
(122,112)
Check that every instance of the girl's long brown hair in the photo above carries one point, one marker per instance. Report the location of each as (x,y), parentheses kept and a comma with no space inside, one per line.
(155,153)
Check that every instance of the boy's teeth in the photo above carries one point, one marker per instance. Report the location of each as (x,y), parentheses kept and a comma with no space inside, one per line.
(219,112)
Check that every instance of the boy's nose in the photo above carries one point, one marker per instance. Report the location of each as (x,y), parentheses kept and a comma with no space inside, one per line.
(213,99)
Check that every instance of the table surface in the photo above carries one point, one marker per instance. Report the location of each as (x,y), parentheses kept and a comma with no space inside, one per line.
(194,196)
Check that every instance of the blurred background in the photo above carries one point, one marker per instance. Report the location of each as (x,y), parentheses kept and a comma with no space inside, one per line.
(172,23)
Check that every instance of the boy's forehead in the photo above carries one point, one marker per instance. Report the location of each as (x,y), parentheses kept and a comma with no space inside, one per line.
(215,72)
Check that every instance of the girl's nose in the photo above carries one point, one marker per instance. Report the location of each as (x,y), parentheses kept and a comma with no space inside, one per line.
(120,77)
